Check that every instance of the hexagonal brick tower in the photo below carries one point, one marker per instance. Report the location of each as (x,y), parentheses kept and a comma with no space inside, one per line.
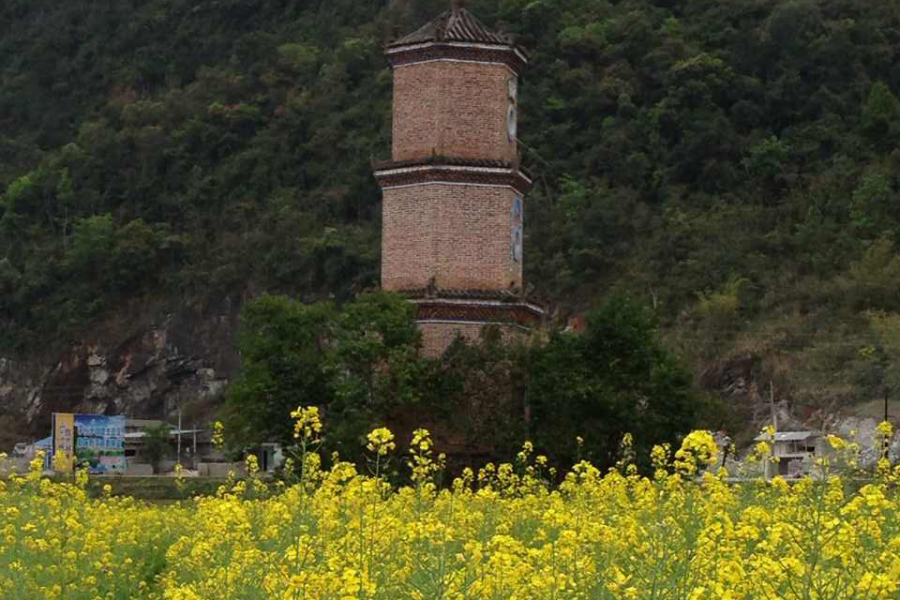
(453,189)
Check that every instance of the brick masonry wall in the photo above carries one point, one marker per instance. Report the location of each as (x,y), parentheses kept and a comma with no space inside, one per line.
(408,245)
(458,234)
(452,109)
(436,337)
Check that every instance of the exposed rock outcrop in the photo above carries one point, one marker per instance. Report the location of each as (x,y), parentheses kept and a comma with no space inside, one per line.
(147,369)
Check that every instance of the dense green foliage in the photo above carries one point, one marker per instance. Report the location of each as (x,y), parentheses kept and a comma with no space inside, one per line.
(156,444)
(734,164)
(360,362)
(615,378)
(362,365)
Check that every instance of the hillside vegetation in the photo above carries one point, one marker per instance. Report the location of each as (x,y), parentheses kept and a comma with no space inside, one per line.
(732,164)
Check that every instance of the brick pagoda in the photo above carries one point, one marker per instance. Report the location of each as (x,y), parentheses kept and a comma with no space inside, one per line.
(453,189)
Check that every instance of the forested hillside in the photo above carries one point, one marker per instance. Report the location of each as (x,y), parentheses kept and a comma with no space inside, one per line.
(734,164)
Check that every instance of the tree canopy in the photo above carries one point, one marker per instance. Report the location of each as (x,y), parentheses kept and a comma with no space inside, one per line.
(358,363)
(616,378)
(191,151)
(362,364)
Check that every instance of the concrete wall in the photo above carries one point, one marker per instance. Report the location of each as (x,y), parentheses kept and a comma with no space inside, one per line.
(139,469)
(221,469)
(14,465)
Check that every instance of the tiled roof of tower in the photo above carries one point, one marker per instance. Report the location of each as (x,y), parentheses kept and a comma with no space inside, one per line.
(457,25)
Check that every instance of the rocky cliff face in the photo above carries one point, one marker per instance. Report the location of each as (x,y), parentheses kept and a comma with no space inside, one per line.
(759,390)
(146,368)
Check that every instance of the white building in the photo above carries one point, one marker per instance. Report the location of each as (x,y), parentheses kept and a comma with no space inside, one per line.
(794,452)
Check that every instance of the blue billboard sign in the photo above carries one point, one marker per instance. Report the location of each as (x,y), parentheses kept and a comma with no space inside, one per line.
(98,441)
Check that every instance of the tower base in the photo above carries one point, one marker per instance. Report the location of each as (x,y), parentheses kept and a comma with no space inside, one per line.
(442,319)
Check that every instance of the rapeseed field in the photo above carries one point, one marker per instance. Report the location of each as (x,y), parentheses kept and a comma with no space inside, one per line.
(504,533)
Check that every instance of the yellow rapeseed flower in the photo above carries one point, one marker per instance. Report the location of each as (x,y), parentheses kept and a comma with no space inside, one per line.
(500,534)
(307,424)
(381,441)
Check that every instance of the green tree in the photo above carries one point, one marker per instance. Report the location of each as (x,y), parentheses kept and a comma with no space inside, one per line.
(766,160)
(881,111)
(478,392)
(137,254)
(718,312)
(872,205)
(284,350)
(156,445)
(872,281)
(359,363)
(376,344)
(9,280)
(614,379)
(91,246)
(375,366)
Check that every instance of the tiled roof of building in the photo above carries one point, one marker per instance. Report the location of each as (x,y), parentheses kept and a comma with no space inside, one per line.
(455,25)
(789,436)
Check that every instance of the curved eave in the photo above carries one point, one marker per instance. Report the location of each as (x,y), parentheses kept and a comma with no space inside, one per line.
(416,53)
(457,25)
(395,177)
(439,310)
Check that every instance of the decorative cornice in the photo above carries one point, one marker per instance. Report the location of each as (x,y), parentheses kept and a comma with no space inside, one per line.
(436,159)
(451,171)
(475,306)
(443,311)
(510,56)
(510,296)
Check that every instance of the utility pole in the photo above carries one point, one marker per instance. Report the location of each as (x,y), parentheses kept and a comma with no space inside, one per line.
(885,442)
(196,460)
(769,461)
(179,434)
(772,405)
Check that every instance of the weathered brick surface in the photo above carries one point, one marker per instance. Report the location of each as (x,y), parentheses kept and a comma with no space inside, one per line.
(436,337)
(452,109)
(457,234)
